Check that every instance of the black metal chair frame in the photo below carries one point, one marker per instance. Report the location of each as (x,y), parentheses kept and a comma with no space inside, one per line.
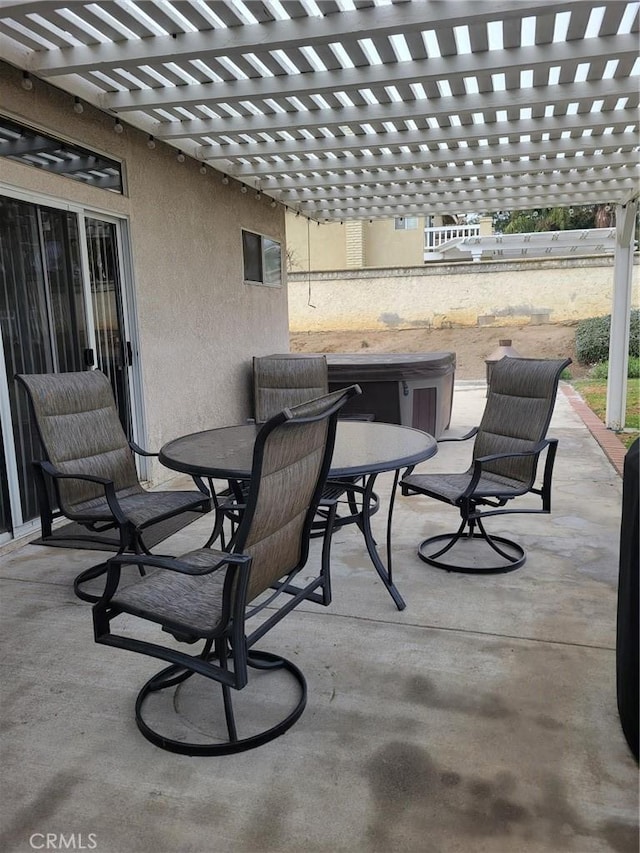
(130,535)
(228,652)
(471,501)
(472,516)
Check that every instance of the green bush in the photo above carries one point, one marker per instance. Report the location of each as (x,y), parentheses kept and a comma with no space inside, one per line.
(592,338)
(601,370)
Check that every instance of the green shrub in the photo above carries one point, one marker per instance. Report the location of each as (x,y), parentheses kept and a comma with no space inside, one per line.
(601,370)
(592,338)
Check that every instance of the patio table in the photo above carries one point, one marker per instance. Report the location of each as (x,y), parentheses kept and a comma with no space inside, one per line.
(362,449)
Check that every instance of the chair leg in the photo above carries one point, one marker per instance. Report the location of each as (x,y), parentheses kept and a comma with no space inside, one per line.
(44,505)
(511,552)
(223,657)
(325,563)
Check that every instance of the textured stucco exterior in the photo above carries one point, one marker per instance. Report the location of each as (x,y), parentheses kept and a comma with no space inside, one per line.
(358,244)
(351,244)
(491,293)
(313,246)
(387,247)
(198,323)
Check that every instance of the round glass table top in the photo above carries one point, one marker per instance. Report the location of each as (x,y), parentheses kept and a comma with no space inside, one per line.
(362,447)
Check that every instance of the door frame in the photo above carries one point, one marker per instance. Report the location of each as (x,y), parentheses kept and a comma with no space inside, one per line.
(130,320)
(130,314)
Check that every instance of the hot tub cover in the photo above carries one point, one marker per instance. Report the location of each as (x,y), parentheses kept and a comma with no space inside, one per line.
(382,367)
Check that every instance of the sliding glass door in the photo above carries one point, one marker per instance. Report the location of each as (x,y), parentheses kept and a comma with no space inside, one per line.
(61,309)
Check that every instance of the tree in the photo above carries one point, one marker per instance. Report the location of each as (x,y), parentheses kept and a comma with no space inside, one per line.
(554,219)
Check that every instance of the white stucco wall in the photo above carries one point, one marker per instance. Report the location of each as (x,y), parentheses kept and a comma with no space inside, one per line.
(490,293)
(198,323)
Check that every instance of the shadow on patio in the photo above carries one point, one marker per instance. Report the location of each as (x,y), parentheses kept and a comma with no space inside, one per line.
(481,718)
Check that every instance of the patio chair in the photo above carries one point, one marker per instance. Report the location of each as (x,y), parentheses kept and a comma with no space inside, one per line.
(280,381)
(209,595)
(91,466)
(508,444)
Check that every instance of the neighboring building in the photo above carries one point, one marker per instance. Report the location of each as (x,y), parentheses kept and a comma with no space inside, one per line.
(124,256)
(360,244)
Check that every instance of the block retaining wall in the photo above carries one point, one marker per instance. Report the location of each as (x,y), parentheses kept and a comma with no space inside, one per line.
(495,293)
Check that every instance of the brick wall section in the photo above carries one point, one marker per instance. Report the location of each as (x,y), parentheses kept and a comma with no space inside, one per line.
(613,448)
(355,245)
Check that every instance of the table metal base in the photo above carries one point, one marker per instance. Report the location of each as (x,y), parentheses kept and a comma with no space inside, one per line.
(385,572)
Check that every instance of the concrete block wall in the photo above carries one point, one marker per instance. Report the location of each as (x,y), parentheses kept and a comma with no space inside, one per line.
(559,290)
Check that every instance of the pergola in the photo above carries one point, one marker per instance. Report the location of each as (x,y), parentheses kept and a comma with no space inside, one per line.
(363,109)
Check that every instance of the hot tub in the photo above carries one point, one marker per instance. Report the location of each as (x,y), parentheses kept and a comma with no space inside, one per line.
(413,389)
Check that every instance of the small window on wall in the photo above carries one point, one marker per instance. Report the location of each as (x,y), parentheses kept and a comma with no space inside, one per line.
(262,260)
(406,223)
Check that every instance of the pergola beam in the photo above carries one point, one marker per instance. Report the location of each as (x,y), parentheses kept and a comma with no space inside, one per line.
(417,110)
(446,172)
(233,42)
(503,197)
(612,180)
(390,162)
(492,132)
(391,74)
(391,210)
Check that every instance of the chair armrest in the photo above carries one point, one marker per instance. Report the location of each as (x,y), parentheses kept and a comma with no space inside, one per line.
(197,480)
(137,449)
(494,457)
(463,437)
(538,448)
(109,487)
(174,564)
(52,471)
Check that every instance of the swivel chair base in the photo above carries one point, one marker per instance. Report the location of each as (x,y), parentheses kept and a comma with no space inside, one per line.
(513,555)
(174,675)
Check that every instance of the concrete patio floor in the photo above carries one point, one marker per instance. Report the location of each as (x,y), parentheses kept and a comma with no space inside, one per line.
(481,719)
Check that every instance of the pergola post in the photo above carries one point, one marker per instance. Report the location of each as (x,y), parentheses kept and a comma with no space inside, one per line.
(620,315)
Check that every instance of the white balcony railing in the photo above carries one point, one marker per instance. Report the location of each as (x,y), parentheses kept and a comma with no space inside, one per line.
(435,237)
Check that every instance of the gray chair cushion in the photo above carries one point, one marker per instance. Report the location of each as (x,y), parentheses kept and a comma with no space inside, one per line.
(280,381)
(274,530)
(81,433)
(190,602)
(516,418)
(451,487)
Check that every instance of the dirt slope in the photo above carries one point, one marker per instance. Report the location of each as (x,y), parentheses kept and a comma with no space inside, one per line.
(471,345)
